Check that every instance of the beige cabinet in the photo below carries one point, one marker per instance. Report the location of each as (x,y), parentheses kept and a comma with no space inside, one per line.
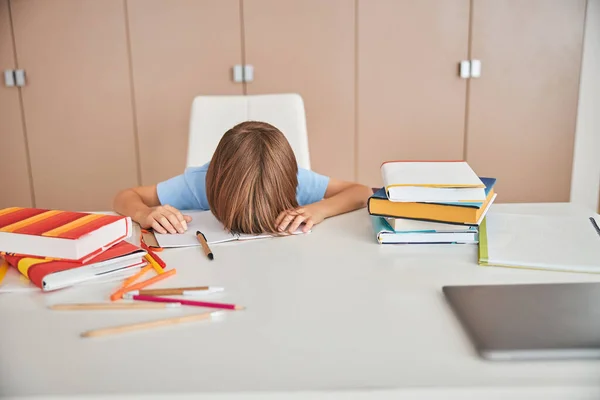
(307,47)
(411,100)
(110,83)
(179,50)
(522,110)
(77,100)
(15,182)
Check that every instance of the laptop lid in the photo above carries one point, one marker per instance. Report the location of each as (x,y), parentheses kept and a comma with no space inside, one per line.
(530,321)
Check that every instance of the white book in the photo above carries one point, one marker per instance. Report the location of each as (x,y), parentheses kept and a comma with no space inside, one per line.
(560,243)
(411,225)
(209,225)
(432,181)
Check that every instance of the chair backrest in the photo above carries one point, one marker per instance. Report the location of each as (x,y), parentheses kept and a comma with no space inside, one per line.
(212,116)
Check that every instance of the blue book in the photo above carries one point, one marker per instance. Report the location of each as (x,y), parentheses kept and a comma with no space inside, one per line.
(385,234)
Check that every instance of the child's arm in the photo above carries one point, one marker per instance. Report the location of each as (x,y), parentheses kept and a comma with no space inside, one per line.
(340,197)
(143,206)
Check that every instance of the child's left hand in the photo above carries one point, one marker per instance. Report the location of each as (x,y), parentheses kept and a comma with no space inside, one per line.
(290,220)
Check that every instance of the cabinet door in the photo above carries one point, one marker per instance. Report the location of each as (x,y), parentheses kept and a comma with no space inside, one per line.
(522,110)
(179,50)
(77,100)
(307,47)
(14,176)
(411,99)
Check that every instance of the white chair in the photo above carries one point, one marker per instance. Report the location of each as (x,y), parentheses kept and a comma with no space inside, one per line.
(212,116)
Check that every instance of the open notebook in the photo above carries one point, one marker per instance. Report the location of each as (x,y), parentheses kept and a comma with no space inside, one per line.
(213,230)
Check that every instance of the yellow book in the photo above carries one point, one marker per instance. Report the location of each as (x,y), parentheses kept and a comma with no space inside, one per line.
(379,205)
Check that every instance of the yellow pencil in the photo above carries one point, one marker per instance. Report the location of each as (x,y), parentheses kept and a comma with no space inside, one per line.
(158,268)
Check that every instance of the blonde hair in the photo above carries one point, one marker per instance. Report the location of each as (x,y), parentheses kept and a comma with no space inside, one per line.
(252,178)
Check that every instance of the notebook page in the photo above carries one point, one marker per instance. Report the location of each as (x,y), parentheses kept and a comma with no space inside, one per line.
(557,243)
(203,221)
(422,173)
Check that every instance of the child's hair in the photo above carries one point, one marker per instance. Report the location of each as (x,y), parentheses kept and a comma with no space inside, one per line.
(252,178)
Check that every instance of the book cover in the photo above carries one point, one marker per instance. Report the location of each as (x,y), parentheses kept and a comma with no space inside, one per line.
(60,234)
(386,235)
(408,181)
(38,269)
(558,243)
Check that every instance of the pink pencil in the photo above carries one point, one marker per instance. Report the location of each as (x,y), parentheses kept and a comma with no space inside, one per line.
(182,301)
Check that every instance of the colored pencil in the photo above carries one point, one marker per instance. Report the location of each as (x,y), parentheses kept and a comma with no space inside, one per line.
(190,291)
(183,302)
(152,254)
(204,244)
(159,270)
(137,276)
(157,278)
(112,306)
(151,324)
(3,269)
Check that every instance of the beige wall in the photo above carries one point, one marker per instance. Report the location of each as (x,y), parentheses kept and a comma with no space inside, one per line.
(586,164)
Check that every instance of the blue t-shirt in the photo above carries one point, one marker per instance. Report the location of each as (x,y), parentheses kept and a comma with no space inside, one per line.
(188,190)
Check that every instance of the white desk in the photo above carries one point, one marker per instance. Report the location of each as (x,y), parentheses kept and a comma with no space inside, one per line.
(327,313)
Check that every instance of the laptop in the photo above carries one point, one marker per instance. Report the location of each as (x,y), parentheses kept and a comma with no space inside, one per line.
(530,321)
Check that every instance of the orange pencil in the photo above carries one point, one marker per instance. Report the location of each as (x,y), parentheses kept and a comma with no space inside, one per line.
(157,278)
(137,276)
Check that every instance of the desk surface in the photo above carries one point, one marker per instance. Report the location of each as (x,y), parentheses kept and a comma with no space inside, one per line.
(328,311)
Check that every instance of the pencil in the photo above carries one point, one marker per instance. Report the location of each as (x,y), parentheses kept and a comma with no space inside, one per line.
(154,264)
(151,324)
(137,276)
(189,291)
(119,293)
(202,240)
(112,306)
(3,269)
(183,302)
(153,255)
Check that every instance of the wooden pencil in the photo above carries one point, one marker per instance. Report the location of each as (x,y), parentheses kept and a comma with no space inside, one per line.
(149,325)
(111,306)
(157,278)
(178,291)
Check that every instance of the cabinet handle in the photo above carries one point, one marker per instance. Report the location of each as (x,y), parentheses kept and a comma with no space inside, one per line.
(20,77)
(238,73)
(475,68)
(465,69)
(248,73)
(9,78)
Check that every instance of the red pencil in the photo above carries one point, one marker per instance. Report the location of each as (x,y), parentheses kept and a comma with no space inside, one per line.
(152,254)
(183,302)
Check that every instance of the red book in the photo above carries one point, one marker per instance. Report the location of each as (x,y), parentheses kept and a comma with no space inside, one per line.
(59,234)
(51,274)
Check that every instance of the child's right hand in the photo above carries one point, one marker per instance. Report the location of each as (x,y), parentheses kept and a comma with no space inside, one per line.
(164,219)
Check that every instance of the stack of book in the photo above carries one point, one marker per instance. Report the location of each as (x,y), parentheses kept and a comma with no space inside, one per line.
(52,249)
(430,202)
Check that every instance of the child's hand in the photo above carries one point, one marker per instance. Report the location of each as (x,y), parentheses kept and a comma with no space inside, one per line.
(164,219)
(290,220)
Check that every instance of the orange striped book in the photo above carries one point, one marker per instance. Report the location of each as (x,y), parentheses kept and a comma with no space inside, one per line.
(59,234)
